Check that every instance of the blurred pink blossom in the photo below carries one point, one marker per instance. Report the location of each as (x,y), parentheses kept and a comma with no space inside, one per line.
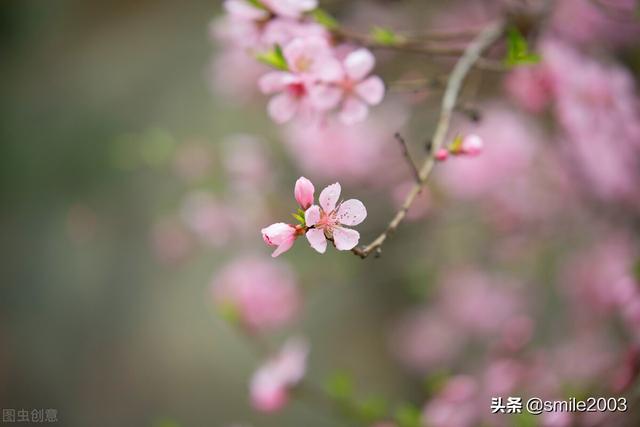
(233,73)
(587,22)
(328,220)
(424,339)
(262,294)
(478,303)
(247,162)
(600,116)
(192,160)
(367,152)
(531,87)
(207,218)
(455,405)
(271,383)
(600,278)
(171,242)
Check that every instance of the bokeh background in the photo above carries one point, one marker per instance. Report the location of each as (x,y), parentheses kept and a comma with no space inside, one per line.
(110,122)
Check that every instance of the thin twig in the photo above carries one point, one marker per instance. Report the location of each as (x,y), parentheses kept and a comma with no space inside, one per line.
(407,156)
(418,47)
(454,85)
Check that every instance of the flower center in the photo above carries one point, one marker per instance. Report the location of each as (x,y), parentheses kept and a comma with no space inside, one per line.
(303,63)
(298,90)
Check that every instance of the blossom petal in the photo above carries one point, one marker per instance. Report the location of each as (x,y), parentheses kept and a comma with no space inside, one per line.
(328,69)
(353,111)
(304,192)
(359,63)
(291,8)
(282,108)
(243,10)
(329,197)
(371,90)
(275,81)
(351,212)
(312,215)
(284,247)
(316,239)
(345,239)
(324,97)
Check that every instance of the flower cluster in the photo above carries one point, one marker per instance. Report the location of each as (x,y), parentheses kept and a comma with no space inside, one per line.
(318,223)
(313,76)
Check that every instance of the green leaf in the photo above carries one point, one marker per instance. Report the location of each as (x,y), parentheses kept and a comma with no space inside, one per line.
(230,313)
(323,18)
(274,58)
(408,415)
(386,36)
(257,4)
(164,422)
(372,409)
(299,218)
(434,382)
(340,386)
(456,145)
(524,419)
(518,52)
(636,270)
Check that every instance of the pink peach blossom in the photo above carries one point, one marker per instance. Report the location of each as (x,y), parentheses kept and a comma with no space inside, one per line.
(290,8)
(328,219)
(311,62)
(281,31)
(244,10)
(262,294)
(280,235)
(354,91)
(272,382)
(304,192)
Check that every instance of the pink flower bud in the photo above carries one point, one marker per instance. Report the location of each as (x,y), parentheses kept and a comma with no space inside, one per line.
(281,235)
(442,155)
(303,192)
(472,145)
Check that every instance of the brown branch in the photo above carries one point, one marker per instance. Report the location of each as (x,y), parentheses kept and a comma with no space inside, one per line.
(411,45)
(466,62)
(407,156)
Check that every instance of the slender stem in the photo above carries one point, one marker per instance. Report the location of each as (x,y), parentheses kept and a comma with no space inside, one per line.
(407,156)
(417,46)
(466,62)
